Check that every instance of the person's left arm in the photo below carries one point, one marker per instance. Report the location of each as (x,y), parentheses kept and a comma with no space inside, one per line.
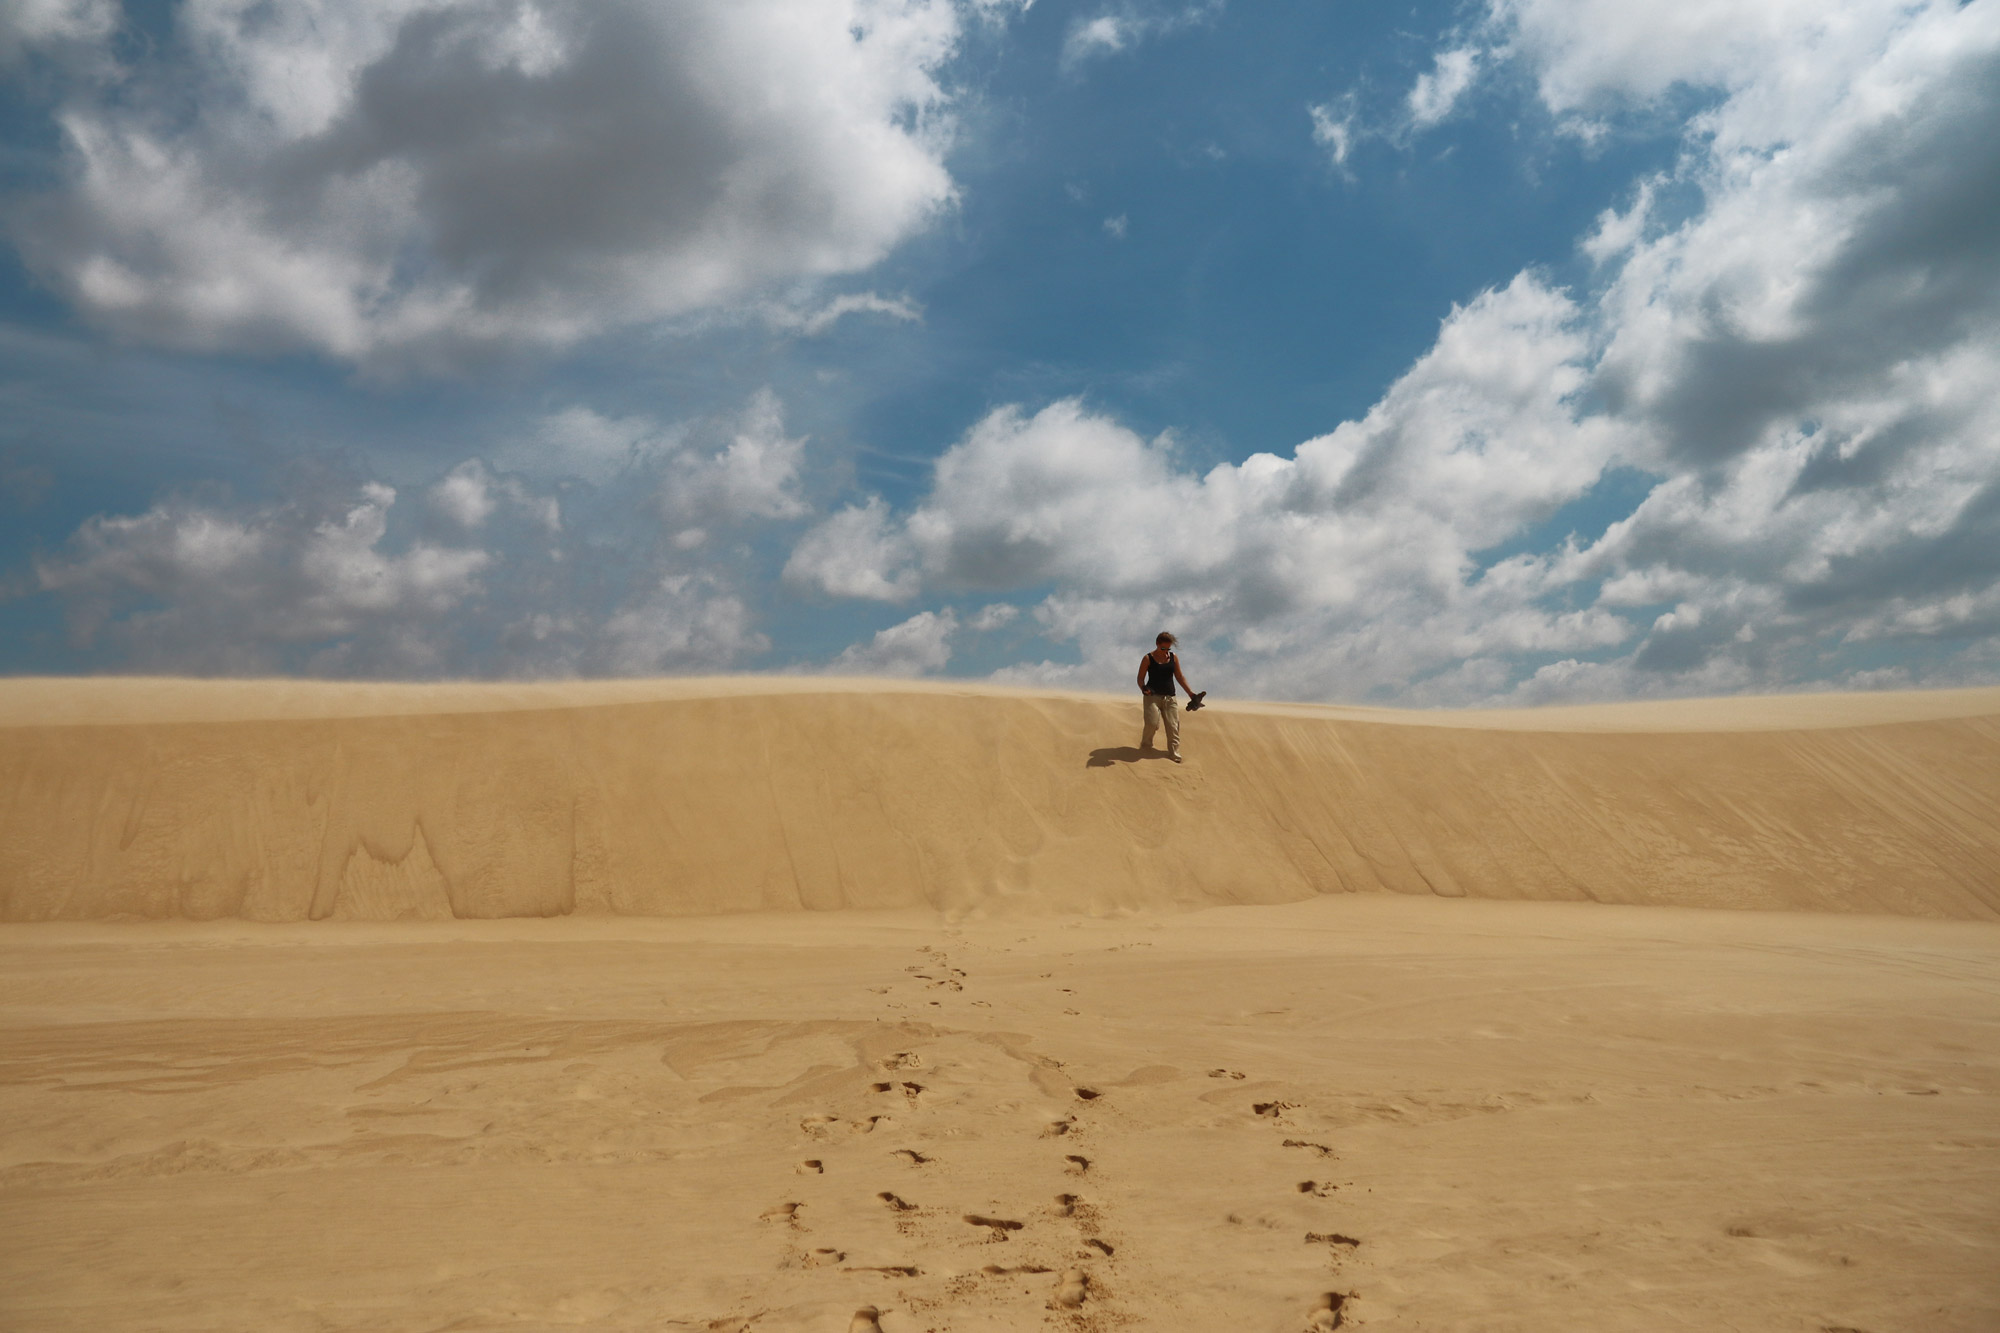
(1179,677)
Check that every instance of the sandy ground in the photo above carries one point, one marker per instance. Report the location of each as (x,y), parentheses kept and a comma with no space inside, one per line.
(293,801)
(1467,1115)
(748,1004)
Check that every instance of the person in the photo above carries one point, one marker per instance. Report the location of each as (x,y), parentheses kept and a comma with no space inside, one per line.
(1158,670)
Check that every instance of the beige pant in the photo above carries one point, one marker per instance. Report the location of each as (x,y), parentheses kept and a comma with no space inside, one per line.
(1164,711)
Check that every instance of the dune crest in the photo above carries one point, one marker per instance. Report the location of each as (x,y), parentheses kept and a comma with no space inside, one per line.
(299,800)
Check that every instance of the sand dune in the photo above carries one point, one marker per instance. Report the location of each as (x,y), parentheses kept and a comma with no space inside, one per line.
(1354,1097)
(289,801)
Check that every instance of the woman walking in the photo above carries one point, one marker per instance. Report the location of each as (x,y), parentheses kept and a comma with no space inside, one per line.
(1158,670)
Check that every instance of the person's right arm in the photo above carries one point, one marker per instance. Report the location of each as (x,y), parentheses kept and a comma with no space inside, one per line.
(1142,677)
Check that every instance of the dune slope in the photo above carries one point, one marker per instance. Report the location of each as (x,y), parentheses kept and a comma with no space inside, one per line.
(294,801)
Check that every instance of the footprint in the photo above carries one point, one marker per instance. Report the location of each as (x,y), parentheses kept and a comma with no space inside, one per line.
(1057,1128)
(1224,1073)
(1077,1165)
(821,1257)
(910,1155)
(1066,1204)
(782,1212)
(819,1126)
(1273,1109)
(1098,1245)
(902,1060)
(900,1205)
(867,1319)
(1326,1313)
(1088,1094)
(812,1166)
(999,1226)
(912,1090)
(897,1270)
(995,1270)
(1072,1289)
(1319,1189)
(1329,1238)
(1319,1149)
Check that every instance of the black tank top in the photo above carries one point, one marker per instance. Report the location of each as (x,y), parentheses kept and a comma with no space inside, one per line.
(1160,675)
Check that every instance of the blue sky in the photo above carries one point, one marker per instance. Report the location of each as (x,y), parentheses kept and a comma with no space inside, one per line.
(1504,352)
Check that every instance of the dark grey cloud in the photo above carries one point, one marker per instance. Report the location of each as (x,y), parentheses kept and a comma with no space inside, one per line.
(399,184)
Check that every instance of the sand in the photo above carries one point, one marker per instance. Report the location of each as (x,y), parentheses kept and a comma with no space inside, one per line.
(1206,1089)
(290,801)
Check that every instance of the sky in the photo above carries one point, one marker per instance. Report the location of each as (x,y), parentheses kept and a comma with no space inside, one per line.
(1486,353)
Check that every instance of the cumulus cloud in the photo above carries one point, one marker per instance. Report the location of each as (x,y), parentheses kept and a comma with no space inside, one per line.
(685,623)
(856,553)
(200,587)
(918,645)
(469,494)
(706,473)
(1591,54)
(481,576)
(992,616)
(1349,561)
(400,181)
(754,476)
(1797,369)
(1100,36)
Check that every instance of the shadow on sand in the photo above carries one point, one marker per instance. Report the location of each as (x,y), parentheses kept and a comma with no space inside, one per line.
(1120,754)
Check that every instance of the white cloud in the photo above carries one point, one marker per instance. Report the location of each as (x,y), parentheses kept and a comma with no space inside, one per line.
(580,441)
(1436,93)
(1590,53)
(341,581)
(1334,132)
(1348,563)
(754,476)
(470,493)
(685,623)
(465,494)
(1109,33)
(195,587)
(57,27)
(812,323)
(994,615)
(350,177)
(1100,36)
(854,553)
(918,645)
(1803,363)
(1116,227)
(752,473)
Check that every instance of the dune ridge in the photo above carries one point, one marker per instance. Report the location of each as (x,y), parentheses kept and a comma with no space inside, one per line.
(282,801)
